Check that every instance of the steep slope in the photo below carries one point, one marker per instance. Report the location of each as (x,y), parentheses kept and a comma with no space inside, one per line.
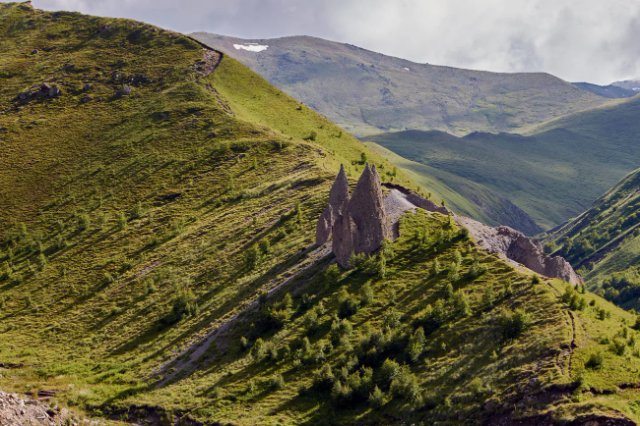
(366,92)
(156,243)
(552,173)
(604,241)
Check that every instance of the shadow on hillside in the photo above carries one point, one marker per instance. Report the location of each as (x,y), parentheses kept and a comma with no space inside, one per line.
(227,307)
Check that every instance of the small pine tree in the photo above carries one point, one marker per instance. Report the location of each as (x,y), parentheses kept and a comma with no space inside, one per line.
(488,296)
(376,398)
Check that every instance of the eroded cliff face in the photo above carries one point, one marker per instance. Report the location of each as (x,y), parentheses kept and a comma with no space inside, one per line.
(356,224)
(516,246)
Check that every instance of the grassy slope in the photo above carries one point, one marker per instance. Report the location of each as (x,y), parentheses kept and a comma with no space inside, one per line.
(114,210)
(604,241)
(553,173)
(367,92)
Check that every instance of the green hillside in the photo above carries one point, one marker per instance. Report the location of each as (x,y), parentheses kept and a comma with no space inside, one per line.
(464,196)
(552,173)
(604,241)
(157,219)
(369,93)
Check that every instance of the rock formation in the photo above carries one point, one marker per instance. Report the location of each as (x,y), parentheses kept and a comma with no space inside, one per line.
(516,246)
(366,208)
(358,224)
(338,202)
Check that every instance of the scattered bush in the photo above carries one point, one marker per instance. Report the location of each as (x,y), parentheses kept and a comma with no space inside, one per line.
(618,346)
(595,361)
(376,397)
(514,323)
(276,382)
(348,304)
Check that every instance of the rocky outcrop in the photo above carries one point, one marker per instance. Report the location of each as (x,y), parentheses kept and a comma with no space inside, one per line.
(338,203)
(15,410)
(366,208)
(517,247)
(357,224)
(43,91)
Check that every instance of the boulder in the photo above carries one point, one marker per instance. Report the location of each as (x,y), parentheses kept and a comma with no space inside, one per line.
(125,90)
(366,208)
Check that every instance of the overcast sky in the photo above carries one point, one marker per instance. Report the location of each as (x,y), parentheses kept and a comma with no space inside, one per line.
(578,40)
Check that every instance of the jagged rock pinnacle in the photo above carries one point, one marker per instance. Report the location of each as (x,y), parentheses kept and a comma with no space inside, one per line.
(338,201)
(366,208)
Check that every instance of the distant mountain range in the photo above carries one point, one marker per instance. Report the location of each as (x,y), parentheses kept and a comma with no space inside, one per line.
(620,89)
(552,173)
(369,93)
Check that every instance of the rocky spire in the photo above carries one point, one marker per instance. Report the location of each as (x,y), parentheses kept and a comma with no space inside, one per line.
(366,209)
(338,202)
(342,244)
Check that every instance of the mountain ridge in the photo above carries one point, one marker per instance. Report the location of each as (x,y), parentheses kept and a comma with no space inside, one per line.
(368,92)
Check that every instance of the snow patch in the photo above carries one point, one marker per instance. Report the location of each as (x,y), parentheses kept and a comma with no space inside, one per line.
(251,47)
(407,69)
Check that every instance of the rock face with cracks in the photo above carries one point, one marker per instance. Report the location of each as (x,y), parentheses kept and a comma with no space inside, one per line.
(357,224)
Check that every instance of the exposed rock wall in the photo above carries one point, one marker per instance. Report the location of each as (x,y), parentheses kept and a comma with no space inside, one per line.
(517,247)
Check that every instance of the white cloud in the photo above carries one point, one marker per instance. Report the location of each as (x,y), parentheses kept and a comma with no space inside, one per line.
(591,40)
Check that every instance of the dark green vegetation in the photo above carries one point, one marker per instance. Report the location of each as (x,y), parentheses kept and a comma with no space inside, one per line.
(134,226)
(552,174)
(604,243)
(368,93)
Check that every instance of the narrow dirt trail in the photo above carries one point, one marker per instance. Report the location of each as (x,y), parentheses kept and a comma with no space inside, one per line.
(186,361)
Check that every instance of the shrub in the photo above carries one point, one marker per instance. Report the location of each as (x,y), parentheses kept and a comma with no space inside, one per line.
(367,296)
(340,329)
(461,304)
(595,361)
(265,246)
(332,274)
(405,386)
(376,398)
(434,316)
(184,305)
(514,323)
(488,296)
(618,347)
(388,371)
(122,221)
(324,378)
(252,257)
(416,344)
(311,136)
(348,304)
(476,270)
(276,381)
